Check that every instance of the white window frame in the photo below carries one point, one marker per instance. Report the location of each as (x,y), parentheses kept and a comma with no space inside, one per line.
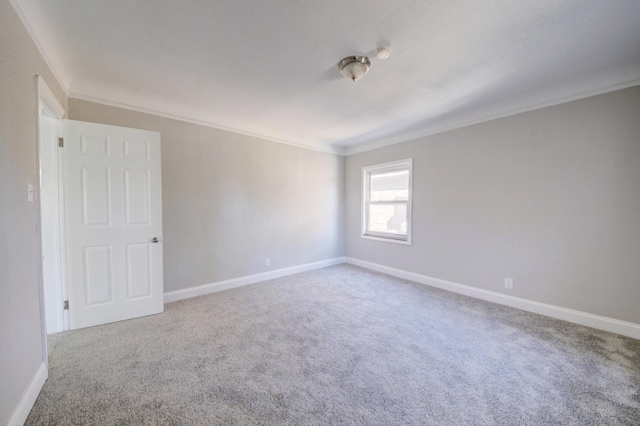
(367,172)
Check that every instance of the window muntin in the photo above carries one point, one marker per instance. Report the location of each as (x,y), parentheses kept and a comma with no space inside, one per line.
(386,210)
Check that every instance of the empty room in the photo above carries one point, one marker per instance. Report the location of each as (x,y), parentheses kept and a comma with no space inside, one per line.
(358,212)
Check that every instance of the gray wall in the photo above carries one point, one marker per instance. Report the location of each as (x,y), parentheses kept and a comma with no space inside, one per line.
(230,201)
(550,198)
(20,329)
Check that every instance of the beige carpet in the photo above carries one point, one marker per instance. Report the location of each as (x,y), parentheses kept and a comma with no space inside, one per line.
(340,345)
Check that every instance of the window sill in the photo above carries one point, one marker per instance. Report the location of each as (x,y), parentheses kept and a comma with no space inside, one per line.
(406,242)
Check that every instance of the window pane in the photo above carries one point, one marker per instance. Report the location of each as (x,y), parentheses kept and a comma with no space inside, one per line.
(390,186)
(388,218)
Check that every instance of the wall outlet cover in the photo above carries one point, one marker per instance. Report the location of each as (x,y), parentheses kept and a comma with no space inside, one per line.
(508,283)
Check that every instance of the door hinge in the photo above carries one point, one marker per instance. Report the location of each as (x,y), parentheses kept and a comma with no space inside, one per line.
(66,305)
(61,142)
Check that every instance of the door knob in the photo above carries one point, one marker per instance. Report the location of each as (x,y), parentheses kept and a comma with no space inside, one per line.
(156,239)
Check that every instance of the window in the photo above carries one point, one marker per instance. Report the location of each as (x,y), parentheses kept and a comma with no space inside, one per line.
(386,202)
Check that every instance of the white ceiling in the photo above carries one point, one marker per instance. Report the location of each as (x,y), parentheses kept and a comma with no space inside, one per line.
(269,68)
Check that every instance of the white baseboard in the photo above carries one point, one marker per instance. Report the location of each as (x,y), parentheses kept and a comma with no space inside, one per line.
(583,318)
(172,296)
(29,397)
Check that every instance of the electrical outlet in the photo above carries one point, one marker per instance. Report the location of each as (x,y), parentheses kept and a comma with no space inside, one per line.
(508,283)
(267,262)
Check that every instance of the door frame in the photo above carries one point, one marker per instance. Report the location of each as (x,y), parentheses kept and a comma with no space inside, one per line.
(52,289)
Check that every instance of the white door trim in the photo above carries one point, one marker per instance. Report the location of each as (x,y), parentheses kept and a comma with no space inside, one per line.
(47,105)
(48,99)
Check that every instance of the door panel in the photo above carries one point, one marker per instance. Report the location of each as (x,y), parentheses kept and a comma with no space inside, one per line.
(136,186)
(95,196)
(138,272)
(97,277)
(113,211)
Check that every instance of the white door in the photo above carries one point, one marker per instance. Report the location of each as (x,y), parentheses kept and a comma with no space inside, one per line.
(113,223)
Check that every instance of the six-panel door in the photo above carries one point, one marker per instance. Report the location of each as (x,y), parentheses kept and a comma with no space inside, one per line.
(113,211)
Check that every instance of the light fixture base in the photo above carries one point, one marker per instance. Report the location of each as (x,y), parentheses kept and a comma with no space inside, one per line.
(354,67)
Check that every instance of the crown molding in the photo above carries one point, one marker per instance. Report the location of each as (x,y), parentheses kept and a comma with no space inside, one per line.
(370,146)
(36,41)
(330,149)
(336,149)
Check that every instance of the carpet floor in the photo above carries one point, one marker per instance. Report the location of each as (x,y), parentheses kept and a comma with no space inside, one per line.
(342,346)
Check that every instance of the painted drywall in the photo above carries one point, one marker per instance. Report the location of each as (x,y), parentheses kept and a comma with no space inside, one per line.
(230,201)
(21,352)
(550,198)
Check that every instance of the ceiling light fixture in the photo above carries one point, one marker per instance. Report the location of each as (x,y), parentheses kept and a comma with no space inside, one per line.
(354,67)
